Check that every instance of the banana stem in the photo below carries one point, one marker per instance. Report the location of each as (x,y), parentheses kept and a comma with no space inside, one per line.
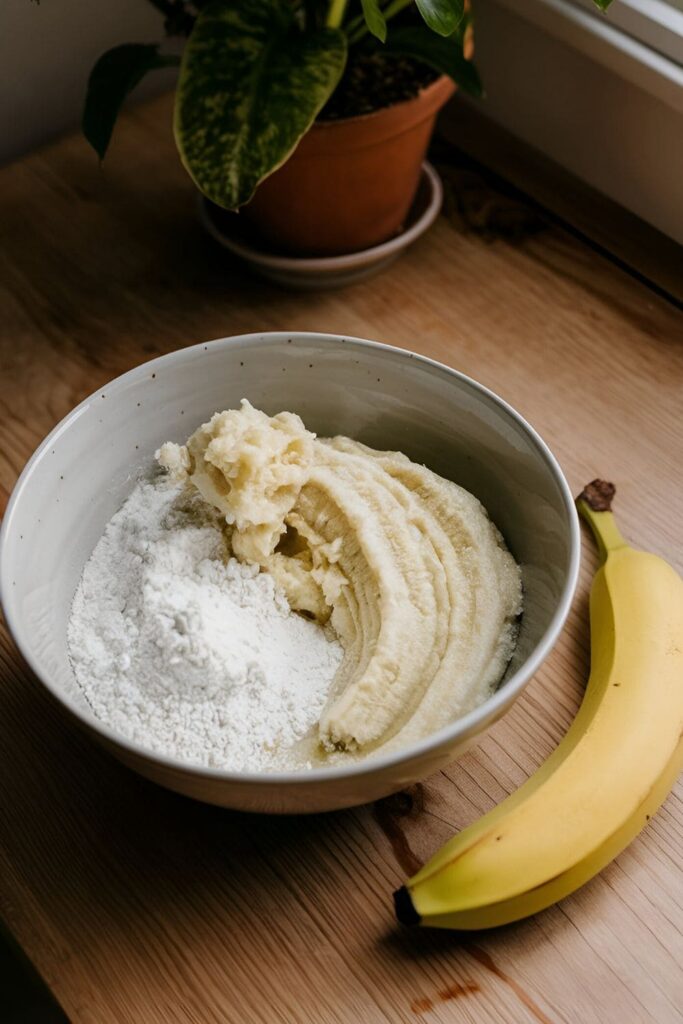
(595,505)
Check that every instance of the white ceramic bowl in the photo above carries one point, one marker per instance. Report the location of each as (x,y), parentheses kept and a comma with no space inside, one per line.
(386,397)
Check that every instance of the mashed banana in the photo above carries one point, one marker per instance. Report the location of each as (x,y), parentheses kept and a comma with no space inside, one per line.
(413,575)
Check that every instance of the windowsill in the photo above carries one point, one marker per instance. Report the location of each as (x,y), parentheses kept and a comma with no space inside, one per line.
(603,106)
(658,24)
(614,231)
(600,39)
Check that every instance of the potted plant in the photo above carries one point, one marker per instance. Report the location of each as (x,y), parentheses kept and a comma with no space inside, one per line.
(312,115)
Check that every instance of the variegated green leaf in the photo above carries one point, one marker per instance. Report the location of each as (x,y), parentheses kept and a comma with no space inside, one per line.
(251,83)
(441,16)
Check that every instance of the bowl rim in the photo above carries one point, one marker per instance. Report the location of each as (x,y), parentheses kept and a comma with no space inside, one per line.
(469,724)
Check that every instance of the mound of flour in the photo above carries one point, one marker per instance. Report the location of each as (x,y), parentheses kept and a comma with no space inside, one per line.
(188,652)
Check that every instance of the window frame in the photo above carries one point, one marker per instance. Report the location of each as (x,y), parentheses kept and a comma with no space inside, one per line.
(657,24)
(600,38)
(602,105)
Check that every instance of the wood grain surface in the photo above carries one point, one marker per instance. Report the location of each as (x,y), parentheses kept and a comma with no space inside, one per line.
(137,905)
(595,218)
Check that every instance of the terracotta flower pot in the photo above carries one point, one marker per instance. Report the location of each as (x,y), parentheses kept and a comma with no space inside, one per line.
(349,183)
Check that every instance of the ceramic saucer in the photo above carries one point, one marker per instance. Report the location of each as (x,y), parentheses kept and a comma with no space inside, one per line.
(234,233)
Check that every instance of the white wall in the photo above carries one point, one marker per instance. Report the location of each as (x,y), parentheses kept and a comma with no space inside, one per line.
(46,52)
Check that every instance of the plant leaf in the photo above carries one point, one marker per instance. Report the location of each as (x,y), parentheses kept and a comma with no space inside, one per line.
(445,55)
(441,16)
(113,77)
(251,83)
(602,4)
(374,19)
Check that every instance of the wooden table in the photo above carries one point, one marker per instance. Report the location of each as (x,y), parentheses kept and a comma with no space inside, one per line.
(137,905)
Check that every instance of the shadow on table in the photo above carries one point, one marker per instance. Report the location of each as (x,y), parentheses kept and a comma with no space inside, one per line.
(24,997)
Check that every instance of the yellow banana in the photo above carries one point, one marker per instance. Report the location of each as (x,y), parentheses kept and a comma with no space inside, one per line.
(610,773)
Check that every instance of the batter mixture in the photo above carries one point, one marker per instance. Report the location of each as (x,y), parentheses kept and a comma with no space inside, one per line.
(406,567)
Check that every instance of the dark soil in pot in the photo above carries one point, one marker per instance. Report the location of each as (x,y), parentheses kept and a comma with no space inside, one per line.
(372,81)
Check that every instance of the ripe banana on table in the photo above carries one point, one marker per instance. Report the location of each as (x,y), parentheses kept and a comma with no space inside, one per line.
(610,773)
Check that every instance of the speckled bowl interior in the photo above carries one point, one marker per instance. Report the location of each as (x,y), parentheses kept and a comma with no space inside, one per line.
(385,397)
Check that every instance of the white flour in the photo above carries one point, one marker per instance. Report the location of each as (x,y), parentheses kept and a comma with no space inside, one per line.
(188,652)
